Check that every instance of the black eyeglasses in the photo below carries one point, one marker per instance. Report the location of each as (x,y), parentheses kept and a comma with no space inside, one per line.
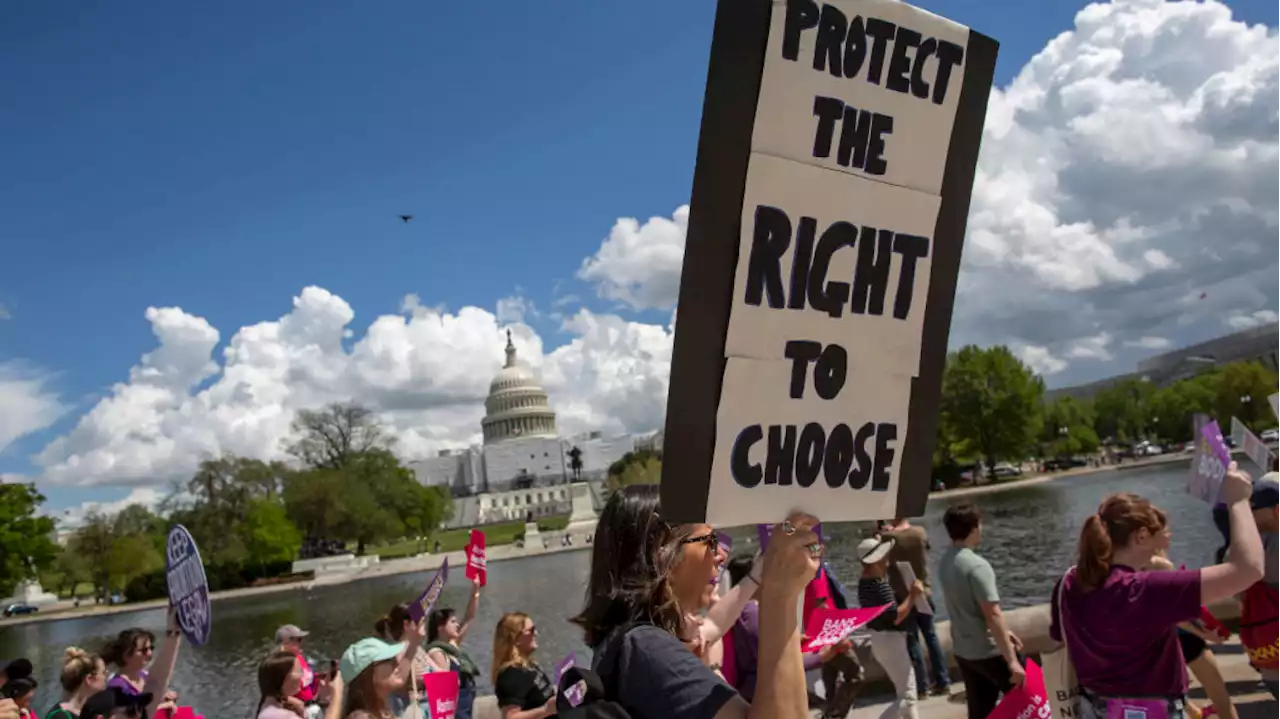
(711,540)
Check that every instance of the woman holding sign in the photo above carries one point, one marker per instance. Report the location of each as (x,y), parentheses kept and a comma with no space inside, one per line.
(1118,623)
(648,574)
(445,653)
(522,688)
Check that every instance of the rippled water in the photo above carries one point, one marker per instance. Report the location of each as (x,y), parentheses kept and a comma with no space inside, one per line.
(1029,538)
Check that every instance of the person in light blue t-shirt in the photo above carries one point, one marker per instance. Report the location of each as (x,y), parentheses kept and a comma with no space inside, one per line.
(985,650)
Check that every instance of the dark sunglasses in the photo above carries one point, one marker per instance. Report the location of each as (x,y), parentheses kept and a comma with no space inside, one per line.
(712,541)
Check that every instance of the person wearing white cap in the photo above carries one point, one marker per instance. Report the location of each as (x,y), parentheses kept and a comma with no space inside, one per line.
(888,636)
(289,638)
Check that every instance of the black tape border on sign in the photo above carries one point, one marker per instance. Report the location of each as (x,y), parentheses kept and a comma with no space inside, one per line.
(915,469)
(734,72)
(738,46)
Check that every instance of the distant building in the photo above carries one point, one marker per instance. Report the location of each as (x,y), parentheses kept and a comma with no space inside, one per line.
(1258,344)
(514,474)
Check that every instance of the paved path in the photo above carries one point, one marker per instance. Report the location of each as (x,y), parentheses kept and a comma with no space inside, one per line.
(1250,697)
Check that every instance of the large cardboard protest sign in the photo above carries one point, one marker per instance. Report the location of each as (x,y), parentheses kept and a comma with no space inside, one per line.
(188,586)
(836,159)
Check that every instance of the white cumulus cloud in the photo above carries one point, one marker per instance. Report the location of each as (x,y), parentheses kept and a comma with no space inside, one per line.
(639,265)
(427,374)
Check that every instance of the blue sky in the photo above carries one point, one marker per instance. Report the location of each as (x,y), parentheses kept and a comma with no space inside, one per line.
(221,156)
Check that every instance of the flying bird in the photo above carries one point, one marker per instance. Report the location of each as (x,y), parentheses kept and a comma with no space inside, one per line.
(1204,295)
(406,218)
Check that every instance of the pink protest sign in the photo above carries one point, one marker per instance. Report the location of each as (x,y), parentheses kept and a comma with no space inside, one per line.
(442,693)
(1028,701)
(830,626)
(477,567)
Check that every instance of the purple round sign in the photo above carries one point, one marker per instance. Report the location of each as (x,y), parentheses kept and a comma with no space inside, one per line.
(188,586)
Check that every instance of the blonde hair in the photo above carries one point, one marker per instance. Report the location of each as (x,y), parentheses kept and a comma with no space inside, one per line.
(78,665)
(506,650)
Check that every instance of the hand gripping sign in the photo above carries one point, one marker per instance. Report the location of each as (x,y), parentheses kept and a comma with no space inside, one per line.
(477,568)
(573,694)
(1028,701)
(830,626)
(188,587)
(422,605)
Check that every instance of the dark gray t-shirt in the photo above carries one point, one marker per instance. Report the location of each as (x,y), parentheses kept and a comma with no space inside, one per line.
(659,678)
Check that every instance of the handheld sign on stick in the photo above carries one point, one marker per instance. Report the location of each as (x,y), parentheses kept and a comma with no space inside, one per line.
(1212,434)
(477,567)
(836,159)
(188,587)
(422,605)
(1254,448)
(1205,479)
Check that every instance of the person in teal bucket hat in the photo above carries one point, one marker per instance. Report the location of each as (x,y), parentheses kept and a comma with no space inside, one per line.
(374,671)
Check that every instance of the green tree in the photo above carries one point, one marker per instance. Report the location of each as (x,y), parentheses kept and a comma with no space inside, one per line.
(26,538)
(1172,408)
(267,533)
(1242,391)
(95,542)
(1068,428)
(645,470)
(1123,411)
(991,404)
(314,499)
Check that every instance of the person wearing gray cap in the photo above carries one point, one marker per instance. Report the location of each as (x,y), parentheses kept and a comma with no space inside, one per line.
(289,639)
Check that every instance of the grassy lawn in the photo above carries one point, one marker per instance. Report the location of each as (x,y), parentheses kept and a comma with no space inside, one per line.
(452,540)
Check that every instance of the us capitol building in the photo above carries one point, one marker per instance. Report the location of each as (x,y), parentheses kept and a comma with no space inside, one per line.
(523,468)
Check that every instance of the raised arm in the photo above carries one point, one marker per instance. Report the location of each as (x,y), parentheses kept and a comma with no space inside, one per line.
(722,616)
(413,642)
(157,684)
(1244,564)
(469,615)
(781,692)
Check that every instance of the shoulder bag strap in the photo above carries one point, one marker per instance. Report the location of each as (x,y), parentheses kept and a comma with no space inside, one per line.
(1062,612)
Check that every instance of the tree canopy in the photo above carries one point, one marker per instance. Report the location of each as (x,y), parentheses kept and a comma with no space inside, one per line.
(991,405)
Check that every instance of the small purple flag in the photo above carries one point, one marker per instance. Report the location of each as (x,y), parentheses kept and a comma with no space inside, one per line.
(422,606)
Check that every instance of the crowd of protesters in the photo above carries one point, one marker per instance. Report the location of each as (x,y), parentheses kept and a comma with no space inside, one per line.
(669,642)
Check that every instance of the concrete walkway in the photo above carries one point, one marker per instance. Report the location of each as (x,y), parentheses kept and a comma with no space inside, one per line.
(1251,699)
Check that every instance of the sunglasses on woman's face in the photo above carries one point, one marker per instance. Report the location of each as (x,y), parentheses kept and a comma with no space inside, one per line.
(711,541)
(532,630)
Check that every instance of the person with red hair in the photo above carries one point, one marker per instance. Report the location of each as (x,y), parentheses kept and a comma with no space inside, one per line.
(1119,623)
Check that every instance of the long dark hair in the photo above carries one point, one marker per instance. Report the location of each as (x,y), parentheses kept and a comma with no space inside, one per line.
(272,673)
(437,618)
(1117,520)
(631,557)
(390,626)
(124,645)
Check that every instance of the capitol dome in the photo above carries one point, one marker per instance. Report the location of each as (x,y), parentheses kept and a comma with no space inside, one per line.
(517,406)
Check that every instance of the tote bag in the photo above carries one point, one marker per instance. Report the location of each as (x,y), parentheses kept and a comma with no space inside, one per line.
(1060,681)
